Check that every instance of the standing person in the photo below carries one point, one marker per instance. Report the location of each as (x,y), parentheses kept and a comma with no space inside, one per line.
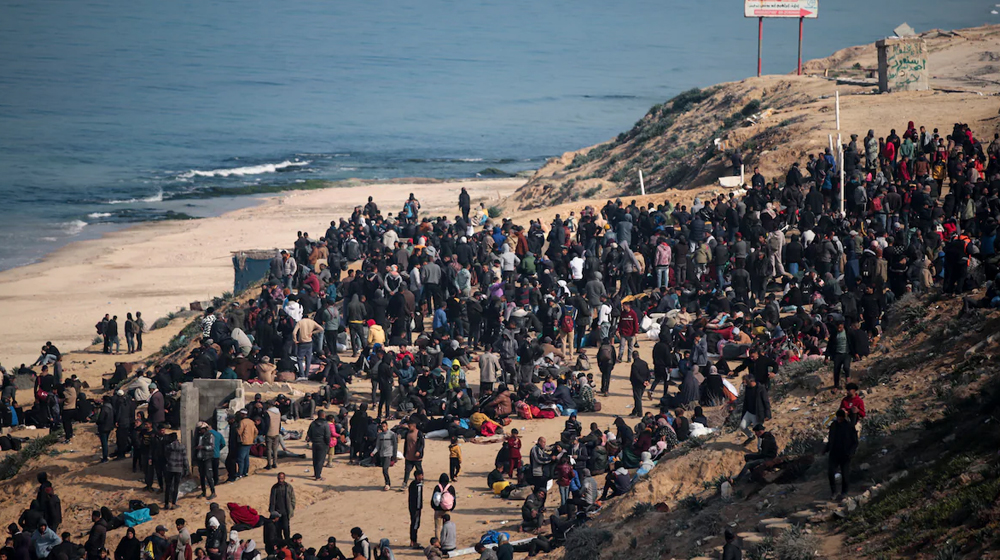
(97,536)
(628,326)
(413,450)
(606,361)
(416,506)
(464,204)
(246,432)
(489,365)
(272,436)
(841,349)
(454,458)
(443,500)
(319,435)
(176,467)
(639,378)
(112,332)
(102,329)
(204,452)
(68,409)
(539,459)
(282,500)
(303,334)
(385,451)
(841,445)
(130,332)
(140,327)
(105,424)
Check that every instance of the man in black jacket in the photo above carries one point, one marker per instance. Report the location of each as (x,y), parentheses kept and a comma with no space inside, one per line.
(416,506)
(767,449)
(319,435)
(756,407)
(730,551)
(639,378)
(97,536)
(105,424)
(841,445)
(272,536)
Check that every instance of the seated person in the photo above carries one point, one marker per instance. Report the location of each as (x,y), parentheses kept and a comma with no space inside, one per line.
(532,511)
(767,450)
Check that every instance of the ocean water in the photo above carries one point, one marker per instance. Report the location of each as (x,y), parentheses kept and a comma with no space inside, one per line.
(115,112)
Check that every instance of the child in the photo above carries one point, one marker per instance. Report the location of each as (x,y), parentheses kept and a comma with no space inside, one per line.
(455,458)
(514,447)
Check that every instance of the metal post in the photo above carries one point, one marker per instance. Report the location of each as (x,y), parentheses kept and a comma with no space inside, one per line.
(760,38)
(840,154)
(800,45)
(838,109)
(642,184)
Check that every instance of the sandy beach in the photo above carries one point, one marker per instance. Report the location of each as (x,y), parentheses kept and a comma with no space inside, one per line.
(158,268)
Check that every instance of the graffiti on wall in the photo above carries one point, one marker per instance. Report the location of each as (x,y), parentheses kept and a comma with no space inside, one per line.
(907,64)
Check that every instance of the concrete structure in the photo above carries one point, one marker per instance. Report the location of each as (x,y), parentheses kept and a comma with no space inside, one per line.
(201,401)
(902,65)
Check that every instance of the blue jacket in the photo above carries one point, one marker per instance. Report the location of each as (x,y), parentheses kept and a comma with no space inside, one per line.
(220,442)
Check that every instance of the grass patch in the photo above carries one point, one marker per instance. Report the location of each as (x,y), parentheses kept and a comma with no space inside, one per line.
(13,463)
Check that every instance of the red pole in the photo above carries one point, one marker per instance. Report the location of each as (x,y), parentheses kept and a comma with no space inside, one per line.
(800,46)
(760,38)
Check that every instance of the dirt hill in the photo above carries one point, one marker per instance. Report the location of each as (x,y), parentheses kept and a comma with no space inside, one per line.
(687,142)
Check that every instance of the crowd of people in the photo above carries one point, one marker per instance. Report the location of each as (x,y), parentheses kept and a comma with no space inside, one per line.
(730,286)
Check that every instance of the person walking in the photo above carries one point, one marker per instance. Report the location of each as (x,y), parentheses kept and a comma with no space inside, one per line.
(204,452)
(639,378)
(756,407)
(416,506)
(841,445)
(628,327)
(282,500)
(385,451)
(606,361)
(318,434)
(841,349)
(443,500)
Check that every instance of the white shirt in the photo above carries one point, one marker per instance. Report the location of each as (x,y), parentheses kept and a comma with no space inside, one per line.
(576,268)
(604,314)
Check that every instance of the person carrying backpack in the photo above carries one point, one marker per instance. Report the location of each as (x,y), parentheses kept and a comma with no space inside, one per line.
(443,501)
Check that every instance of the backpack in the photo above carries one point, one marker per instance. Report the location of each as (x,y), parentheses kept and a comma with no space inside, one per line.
(100,327)
(566,323)
(442,499)
(493,537)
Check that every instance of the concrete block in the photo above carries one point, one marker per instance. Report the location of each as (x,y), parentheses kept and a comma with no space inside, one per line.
(902,65)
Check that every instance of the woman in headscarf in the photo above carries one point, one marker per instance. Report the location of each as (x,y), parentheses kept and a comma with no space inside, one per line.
(689,388)
(233,549)
(129,547)
(250,551)
(711,390)
(383,551)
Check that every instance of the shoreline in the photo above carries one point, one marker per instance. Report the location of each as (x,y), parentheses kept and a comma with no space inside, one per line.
(158,267)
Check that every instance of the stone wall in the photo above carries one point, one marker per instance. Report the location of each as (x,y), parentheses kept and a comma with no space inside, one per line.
(902,65)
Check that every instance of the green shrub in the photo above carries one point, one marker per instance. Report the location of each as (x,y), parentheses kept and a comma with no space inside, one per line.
(693,503)
(640,509)
(585,543)
(494,211)
(750,108)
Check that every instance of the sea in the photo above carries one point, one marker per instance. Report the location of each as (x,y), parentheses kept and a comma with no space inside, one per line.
(114,112)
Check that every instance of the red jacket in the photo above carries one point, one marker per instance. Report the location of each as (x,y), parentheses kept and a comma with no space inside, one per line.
(243,514)
(628,323)
(850,402)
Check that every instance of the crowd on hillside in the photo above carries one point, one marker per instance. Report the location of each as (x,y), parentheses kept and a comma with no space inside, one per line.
(730,286)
